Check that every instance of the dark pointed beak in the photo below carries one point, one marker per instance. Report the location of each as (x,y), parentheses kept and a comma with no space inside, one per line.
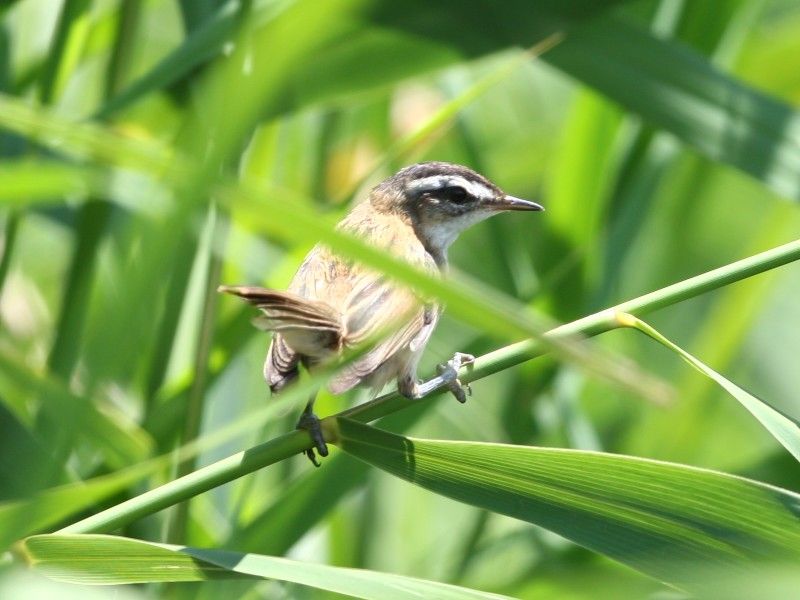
(513,203)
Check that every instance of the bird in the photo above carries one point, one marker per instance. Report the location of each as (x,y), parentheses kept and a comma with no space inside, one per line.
(334,304)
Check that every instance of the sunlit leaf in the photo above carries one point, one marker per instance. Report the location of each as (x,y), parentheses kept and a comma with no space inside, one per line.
(101,559)
(678,90)
(659,518)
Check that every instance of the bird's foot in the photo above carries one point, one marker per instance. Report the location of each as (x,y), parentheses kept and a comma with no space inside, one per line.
(447,378)
(448,373)
(311,423)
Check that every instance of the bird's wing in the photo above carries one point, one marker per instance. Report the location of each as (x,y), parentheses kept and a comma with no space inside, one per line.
(280,367)
(305,329)
(410,339)
(311,327)
(370,306)
(376,308)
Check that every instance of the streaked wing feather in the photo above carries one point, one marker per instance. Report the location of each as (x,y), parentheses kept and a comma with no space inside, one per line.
(280,366)
(376,358)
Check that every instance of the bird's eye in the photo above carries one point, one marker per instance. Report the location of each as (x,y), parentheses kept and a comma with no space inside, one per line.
(455,194)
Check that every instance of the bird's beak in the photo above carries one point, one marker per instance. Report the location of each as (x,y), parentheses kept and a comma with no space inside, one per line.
(513,203)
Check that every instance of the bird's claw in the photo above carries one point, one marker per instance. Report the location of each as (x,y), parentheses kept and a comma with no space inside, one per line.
(311,423)
(449,373)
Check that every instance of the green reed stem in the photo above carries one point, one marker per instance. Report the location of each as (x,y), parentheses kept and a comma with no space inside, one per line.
(291,444)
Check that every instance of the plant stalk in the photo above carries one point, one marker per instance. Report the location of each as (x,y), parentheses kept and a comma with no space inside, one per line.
(291,444)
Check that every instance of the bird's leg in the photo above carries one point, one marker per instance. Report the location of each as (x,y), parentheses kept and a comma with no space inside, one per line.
(310,422)
(447,377)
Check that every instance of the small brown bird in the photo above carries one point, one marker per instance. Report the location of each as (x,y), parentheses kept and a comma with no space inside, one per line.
(334,304)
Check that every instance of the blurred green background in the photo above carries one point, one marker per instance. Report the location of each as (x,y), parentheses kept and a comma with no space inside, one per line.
(115,348)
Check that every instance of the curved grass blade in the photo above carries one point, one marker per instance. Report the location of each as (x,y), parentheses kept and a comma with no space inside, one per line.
(44,509)
(110,560)
(87,141)
(67,45)
(660,518)
(783,428)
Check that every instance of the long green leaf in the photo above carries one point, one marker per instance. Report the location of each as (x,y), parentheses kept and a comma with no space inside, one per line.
(19,518)
(660,518)
(309,498)
(68,41)
(784,428)
(84,140)
(678,90)
(103,559)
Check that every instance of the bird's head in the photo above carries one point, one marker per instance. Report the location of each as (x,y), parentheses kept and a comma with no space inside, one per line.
(443,199)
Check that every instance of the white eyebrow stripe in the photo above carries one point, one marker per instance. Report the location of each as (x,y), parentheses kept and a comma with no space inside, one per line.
(438,182)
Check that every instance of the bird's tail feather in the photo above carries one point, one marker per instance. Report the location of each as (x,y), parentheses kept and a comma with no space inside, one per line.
(306,324)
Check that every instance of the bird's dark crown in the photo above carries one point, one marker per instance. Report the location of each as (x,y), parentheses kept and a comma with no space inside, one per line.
(443,180)
(405,177)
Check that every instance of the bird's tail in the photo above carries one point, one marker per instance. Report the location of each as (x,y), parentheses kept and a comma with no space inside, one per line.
(311,327)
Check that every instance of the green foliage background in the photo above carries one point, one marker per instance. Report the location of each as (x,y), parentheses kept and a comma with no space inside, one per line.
(152,149)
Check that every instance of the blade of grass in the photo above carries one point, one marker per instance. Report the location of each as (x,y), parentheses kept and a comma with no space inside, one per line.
(676,89)
(124,45)
(8,148)
(305,502)
(670,86)
(203,43)
(195,12)
(197,392)
(783,428)
(100,559)
(87,141)
(184,249)
(578,190)
(10,228)
(658,518)
(92,218)
(720,340)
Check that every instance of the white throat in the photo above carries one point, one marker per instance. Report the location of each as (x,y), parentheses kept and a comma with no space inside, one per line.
(438,235)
